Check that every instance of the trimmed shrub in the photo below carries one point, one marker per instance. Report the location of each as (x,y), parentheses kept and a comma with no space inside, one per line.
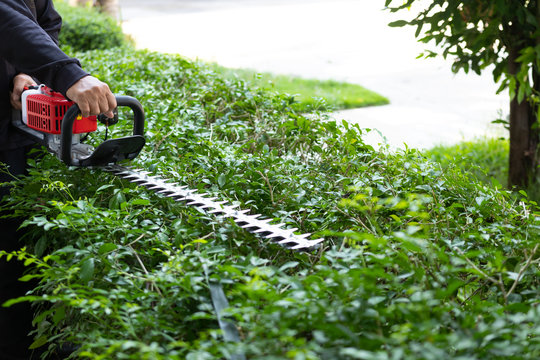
(418,262)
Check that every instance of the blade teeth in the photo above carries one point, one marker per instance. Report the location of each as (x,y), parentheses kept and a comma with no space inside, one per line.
(131,177)
(286,241)
(274,237)
(179,198)
(229,210)
(216,212)
(307,245)
(262,231)
(250,227)
(300,246)
(252,223)
(208,206)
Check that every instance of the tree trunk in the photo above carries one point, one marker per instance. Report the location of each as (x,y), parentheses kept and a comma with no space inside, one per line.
(523,136)
(80,2)
(109,7)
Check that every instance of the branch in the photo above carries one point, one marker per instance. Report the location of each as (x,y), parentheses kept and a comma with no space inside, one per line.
(522,270)
(269,186)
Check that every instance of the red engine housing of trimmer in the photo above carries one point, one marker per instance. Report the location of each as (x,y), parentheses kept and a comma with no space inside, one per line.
(46,108)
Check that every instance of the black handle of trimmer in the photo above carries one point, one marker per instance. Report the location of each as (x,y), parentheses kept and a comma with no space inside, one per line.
(74,111)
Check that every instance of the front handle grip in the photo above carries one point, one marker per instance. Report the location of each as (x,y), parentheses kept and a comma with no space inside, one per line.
(72,113)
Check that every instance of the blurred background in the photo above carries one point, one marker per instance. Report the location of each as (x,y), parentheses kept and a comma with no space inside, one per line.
(344,40)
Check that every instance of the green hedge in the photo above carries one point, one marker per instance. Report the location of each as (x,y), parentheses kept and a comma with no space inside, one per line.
(86,29)
(418,262)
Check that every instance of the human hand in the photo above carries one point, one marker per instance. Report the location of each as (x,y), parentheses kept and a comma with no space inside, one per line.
(93,97)
(20,81)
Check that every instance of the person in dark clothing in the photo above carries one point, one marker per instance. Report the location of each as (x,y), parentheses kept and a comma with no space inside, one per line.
(29,54)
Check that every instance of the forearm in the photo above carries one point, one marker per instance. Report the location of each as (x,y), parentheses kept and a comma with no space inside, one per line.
(33,51)
(48,18)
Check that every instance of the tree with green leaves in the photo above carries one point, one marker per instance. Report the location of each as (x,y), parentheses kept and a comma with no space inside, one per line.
(502,36)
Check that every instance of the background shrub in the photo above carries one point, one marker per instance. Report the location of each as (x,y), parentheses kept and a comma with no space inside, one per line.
(86,29)
(486,158)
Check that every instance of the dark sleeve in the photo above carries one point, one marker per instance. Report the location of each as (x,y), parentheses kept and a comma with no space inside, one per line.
(48,18)
(32,51)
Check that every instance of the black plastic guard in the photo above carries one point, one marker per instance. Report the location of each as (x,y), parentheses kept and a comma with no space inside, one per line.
(114,150)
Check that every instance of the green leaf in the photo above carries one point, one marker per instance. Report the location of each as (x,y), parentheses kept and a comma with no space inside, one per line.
(398,23)
(289,265)
(104,187)
(21,299)
(40,247)
(144,202)
(87,270)
(39,342)
(59,314)
(222,180)
(29,277)
(107,247)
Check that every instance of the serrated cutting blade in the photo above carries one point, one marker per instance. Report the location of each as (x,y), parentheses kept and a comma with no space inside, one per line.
(181,193)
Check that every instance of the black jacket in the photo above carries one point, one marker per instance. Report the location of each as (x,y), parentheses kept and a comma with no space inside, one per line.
(28,44)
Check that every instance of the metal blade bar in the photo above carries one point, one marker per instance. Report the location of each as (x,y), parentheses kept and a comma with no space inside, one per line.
(252,223)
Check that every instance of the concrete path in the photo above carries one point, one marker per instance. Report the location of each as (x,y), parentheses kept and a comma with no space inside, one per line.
(345,40)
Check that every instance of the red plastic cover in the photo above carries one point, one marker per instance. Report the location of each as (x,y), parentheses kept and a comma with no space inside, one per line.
(45,113)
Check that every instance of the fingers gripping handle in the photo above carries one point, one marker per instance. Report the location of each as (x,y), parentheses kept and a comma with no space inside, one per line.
(74,111)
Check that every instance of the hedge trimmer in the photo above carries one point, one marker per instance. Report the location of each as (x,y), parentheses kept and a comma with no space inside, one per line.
(55,122)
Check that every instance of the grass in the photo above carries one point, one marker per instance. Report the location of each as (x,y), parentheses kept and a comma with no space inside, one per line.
(309,93)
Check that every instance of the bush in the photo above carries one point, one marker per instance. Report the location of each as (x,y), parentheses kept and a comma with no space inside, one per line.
(86,29)
(418,262)
(486,158)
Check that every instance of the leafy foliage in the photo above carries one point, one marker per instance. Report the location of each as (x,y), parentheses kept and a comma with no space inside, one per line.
(418,262)
(481,33)
(88,29)
(486,158)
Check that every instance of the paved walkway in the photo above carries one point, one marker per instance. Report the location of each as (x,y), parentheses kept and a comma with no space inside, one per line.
(345,40)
